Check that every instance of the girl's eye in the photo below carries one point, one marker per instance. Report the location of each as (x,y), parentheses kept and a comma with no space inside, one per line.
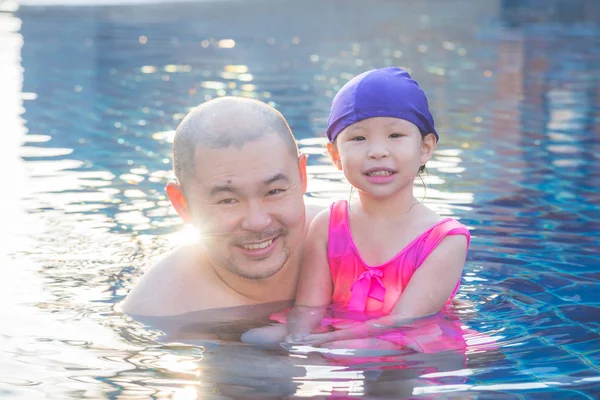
(273,192)
(395,135)
(357,138)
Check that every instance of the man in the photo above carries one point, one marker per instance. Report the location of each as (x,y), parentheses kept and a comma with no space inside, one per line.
(240,182)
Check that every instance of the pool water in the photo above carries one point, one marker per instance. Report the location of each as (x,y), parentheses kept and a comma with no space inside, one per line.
(91,96)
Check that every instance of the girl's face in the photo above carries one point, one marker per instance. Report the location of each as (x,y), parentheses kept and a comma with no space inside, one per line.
(381,156)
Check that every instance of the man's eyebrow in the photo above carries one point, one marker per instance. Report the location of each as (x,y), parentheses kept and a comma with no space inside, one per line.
(277,177)
(222,188)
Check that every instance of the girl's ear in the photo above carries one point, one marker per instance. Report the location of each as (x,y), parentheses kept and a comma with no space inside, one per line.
(334,155)
(428,145)
(177,198)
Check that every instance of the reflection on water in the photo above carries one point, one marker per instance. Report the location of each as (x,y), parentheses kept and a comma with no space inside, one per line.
(90,99)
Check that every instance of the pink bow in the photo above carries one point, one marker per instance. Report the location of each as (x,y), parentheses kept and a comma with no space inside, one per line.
(368,284)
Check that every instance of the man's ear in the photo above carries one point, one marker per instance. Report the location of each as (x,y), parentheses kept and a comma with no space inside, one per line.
(175,194)
(428,145)
(302,159)
(334,155)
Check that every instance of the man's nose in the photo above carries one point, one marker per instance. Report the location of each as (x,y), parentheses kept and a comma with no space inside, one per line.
(257,217)
(377,151)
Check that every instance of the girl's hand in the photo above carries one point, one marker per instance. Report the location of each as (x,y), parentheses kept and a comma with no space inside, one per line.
(295,338)
(317,339)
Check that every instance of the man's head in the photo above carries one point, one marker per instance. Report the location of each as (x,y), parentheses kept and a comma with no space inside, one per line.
(241,184)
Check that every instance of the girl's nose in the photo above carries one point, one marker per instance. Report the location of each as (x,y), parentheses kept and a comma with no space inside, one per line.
(377,151)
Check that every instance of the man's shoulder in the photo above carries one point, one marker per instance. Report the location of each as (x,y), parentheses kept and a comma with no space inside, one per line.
(171,286)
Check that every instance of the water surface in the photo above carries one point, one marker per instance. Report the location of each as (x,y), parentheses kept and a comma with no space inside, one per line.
(90,98)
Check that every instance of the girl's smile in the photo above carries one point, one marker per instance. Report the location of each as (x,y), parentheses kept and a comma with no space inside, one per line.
(380,175)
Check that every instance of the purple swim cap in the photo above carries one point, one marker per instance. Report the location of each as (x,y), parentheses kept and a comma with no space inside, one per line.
(385,92)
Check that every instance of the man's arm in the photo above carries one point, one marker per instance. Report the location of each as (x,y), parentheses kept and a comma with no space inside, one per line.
(165,289)
(149,296)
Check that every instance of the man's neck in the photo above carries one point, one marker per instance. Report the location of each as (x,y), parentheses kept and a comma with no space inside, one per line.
(279,287)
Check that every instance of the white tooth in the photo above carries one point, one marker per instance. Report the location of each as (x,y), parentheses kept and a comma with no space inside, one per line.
(380,173)
(258,246)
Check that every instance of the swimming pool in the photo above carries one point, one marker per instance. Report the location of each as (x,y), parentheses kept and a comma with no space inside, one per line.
(91,96)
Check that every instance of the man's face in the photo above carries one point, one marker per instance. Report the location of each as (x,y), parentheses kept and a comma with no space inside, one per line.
(248,206)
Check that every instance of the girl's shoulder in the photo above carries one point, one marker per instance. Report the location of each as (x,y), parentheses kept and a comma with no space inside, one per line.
(431,217)
(311,211)
(426,216)
(321,221)
(318,231)
(427,220)
(445,229)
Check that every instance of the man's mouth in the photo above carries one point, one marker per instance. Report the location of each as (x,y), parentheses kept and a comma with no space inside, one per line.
(257,246)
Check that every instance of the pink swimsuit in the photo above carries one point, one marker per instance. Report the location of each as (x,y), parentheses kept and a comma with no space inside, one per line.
(361,291)
(374,290)
(360,287)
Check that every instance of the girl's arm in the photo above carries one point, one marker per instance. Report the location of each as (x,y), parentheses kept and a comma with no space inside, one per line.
(428,290)
(314,286)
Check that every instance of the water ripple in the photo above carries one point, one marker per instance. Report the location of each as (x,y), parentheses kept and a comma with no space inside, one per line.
(515,94)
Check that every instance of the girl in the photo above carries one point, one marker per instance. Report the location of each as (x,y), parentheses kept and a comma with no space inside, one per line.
(386,259)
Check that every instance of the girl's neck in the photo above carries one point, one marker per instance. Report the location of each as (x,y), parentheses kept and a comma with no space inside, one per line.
(389,207)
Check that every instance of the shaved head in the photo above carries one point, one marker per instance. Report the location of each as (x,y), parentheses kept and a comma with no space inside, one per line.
(225,122)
